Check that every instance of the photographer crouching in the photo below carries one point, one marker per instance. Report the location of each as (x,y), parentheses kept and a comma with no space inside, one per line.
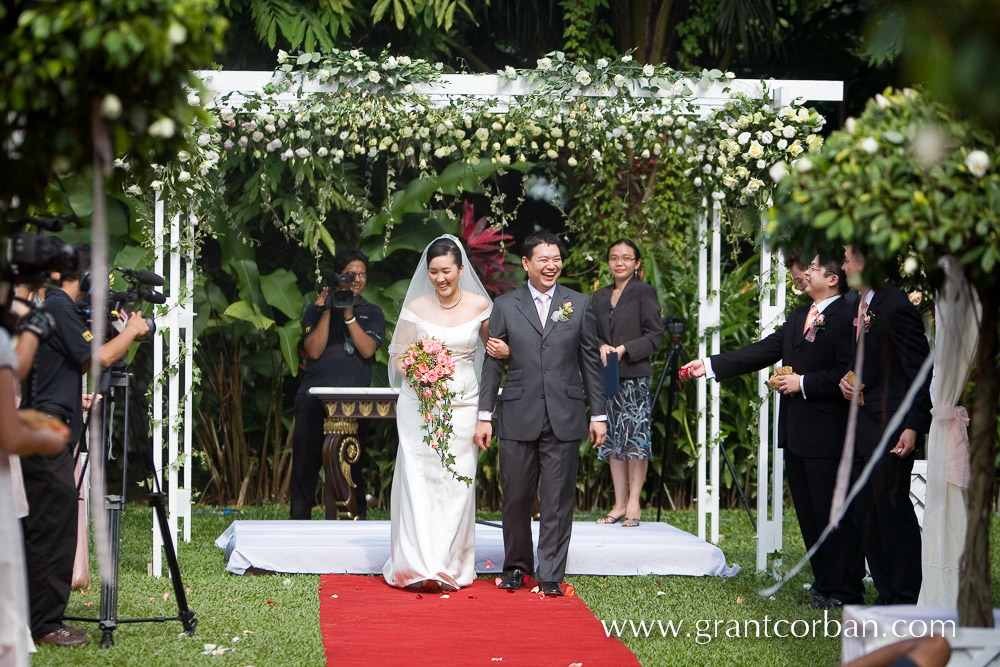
(54,387)
(342,332)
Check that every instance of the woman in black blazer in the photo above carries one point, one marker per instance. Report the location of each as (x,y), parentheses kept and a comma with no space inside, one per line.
(629,325)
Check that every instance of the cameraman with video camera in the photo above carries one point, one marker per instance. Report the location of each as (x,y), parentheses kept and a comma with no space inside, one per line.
(54,386)
(342,332)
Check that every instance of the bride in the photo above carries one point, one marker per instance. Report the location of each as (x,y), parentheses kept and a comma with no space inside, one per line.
(433,513)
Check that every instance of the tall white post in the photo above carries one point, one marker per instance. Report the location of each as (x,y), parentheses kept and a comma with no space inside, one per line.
(175,473)
(709,318)
(770,460)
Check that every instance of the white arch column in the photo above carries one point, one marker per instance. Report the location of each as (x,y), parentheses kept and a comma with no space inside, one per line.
(174,260)
(709,320)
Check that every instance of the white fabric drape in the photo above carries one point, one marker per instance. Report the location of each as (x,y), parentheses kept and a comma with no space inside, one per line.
(958,313)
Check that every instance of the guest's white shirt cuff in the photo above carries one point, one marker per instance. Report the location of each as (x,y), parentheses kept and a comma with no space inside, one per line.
(485,415)
(802,386)
(598,418)
(709,373)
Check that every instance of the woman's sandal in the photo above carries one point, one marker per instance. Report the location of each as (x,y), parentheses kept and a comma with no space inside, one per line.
(609,519)
(630,522)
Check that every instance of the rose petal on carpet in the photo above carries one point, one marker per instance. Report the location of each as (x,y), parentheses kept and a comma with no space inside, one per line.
(366,622)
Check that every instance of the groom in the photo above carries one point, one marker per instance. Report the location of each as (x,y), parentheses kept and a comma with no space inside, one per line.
(554,356)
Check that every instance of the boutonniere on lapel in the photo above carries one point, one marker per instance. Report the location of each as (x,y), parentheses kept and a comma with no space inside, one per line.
(866,320)
(817,325)
(563,312)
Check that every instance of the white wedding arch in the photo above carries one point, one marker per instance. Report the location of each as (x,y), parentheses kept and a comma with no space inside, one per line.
(173,351)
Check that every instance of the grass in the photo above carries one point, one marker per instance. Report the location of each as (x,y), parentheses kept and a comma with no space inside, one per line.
(274,620)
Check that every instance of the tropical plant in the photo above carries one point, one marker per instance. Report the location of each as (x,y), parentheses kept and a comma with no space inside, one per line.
(907,180)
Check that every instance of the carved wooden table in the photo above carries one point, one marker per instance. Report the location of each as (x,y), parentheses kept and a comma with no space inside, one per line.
(344,406)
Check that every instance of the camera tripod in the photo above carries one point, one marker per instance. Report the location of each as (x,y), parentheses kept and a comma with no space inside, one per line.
(116,383)
(676,327)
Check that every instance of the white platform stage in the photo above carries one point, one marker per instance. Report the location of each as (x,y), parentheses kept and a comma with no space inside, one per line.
(362,547)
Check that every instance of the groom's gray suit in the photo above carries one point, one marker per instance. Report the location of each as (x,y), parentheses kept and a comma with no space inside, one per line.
(541,420)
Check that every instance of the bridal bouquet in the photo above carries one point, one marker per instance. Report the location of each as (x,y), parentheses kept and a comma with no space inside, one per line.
(428,365)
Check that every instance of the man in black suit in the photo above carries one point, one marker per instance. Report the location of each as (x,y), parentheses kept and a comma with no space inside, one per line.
(554,364)
(816,342)
(894,349)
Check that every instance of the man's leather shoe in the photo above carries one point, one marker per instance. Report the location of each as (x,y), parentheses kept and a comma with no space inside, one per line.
(64,637)
(827,603)
(513,580)
(79,632)
(551,588)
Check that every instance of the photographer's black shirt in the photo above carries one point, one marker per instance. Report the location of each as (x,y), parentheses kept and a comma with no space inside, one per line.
(55,378)
(337,367)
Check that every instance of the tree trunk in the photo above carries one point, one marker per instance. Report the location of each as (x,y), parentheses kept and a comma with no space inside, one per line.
(974,607)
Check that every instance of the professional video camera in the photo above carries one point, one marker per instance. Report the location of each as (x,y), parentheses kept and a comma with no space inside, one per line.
(28,258)
(339,298)
(121,304)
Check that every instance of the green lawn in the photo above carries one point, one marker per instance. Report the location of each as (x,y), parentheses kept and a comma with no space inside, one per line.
(274,620)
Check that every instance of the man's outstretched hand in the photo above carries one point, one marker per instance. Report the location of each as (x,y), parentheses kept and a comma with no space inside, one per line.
(691,370)
(598,432)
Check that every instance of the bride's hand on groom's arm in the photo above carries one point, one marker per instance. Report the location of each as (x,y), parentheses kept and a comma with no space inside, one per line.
(484,434)
(497,348)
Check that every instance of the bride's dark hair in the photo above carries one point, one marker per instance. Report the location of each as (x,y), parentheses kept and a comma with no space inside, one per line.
(442,247)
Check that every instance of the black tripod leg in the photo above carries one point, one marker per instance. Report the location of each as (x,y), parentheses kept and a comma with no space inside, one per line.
(184,613)
(739,487)
(109,590)
(668,369)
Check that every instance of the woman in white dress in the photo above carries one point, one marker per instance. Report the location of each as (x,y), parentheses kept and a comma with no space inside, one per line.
(433,513)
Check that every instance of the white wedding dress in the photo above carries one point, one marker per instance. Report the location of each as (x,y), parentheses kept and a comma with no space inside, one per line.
(434,514)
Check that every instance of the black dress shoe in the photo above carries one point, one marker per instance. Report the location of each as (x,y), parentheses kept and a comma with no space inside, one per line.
(551,588)
(512,580)
(827,603)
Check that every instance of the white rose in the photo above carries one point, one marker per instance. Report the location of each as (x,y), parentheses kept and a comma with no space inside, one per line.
(730,75)
(596,155)
(482,134)
(788,131)
(782,143)
(258,135)
(814,142)
(204,139)
(743,138)
(718,196)
(619,80)
(882,101)
(243,141)
(162,128)
(373,76)
(133,190)
(111,107)
(850,124)
(545,63)
(354,53)
(869,145)
(795,149)
(803,165)
(176,33)
(626,59)
(390,63)
(755,150)
(978,163)
(302,152)
(404,61)
(602,63)
(288,154)
(583,77)
(766,137)
(761,164)
(183,156)
(697,181)
(648,70)
(910,266)
(322,151)
(729,181)
(156,185)
(571,161)
(778,171)
(510,72)
(184,177)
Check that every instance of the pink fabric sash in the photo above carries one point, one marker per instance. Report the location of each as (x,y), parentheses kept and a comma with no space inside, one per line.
(957,467)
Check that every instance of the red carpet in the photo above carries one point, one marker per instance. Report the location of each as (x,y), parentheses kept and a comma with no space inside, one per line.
(365,622)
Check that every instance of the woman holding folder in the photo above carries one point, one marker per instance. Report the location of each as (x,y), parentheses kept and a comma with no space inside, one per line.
(631,330)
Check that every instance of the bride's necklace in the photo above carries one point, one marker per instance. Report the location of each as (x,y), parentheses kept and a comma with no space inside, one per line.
(457,301)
